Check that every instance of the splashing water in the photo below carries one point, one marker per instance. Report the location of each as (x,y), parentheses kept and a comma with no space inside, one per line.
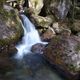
(31,37)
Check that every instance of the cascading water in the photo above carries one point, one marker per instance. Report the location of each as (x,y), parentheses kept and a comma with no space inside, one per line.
(31,37)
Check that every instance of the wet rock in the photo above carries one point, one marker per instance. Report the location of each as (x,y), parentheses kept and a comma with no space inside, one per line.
(64,53)
(48,34)
(38,48)
(10,33)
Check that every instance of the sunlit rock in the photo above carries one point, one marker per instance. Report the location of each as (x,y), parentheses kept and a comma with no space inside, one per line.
(36,5)
(42,21)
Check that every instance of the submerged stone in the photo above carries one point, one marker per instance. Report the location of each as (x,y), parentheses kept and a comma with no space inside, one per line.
(38,48)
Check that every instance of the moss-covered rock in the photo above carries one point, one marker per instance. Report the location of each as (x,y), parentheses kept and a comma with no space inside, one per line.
(10,26)
(64,52)
(44,22)
(10,32)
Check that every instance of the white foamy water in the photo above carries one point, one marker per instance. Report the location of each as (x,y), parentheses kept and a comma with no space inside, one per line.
(31,37)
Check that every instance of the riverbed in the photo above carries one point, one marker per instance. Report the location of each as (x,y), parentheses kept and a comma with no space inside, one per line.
(32,67)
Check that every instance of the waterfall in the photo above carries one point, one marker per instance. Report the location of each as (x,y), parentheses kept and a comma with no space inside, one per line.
(31,37)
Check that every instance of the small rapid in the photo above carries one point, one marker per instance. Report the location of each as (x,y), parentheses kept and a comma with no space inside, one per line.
(30,37)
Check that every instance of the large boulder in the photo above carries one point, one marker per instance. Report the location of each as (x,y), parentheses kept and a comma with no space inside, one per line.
(36,6)
(64,53)
(44,22)
(10,33)
(58,8)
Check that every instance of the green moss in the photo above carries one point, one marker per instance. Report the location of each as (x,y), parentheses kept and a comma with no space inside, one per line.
(78,47)
(11,39)
(4,15)
(71,67)
(4,42)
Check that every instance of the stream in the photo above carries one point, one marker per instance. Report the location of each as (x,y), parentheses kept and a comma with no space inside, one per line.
(28,65)
(32,67)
